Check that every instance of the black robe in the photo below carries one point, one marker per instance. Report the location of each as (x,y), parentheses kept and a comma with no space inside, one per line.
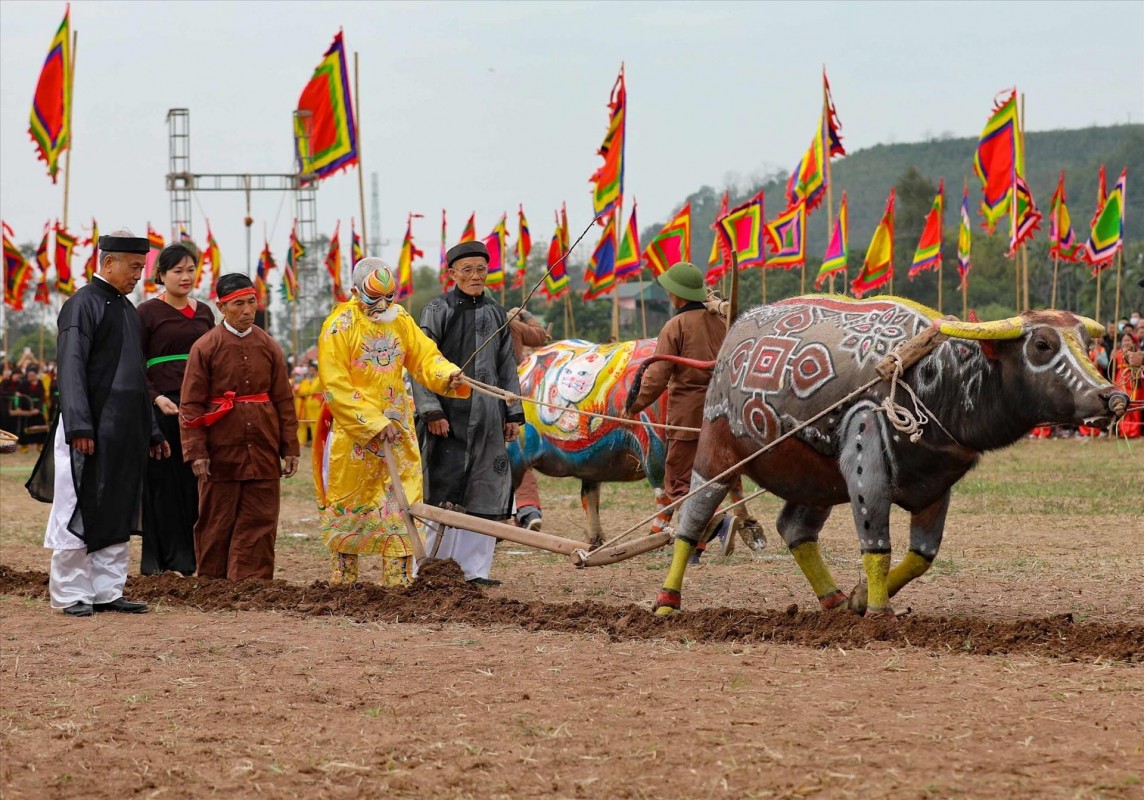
(103,396)
(469,467)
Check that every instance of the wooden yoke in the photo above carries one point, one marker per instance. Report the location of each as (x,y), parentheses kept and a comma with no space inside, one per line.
(910,352)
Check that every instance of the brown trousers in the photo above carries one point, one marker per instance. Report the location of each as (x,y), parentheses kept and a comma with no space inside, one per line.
(236,529)
(528,493)
(677,467)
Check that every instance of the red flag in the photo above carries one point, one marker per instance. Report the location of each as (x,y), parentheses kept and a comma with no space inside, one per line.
(42,261)
(469,234)
(65,244)
(51,104)
(334,264)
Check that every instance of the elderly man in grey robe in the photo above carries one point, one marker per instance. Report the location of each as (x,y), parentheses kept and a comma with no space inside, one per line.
(463,440)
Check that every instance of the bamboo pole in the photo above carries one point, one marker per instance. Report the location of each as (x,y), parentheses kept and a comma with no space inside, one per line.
(571,313)
(763,274)
(964,299)
(643,307)
(826,164)
(1098,273)
(1119,269)
(618,217)
(1056,271)
(360,171)
(1025,273)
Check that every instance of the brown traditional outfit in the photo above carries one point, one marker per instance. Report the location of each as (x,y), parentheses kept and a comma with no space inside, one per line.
(696,333)
(238,410)
(171,493)
(526,331)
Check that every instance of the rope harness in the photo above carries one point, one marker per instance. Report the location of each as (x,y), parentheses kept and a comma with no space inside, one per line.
(901,418)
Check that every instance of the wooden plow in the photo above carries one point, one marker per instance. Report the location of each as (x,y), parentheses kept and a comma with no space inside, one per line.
(575,549)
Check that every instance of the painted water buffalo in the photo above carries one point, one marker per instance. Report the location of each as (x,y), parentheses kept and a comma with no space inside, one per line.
(986,384)
(574,375)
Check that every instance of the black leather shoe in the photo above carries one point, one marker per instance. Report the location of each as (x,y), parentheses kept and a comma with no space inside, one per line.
(79,610)
(484,581)
(123,606)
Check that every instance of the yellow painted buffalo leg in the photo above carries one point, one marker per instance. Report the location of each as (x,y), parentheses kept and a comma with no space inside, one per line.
(669,596)
(809,559)
(911,567)
(877,596)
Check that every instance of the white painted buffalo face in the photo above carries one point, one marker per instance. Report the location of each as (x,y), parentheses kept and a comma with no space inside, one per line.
(1045,357)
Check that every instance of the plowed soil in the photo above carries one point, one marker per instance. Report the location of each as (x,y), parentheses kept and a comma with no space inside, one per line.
(1016,668)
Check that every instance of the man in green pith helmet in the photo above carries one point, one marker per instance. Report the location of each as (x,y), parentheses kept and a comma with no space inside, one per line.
(694,332)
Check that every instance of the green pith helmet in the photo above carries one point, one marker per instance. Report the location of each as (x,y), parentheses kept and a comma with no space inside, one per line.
(684,280)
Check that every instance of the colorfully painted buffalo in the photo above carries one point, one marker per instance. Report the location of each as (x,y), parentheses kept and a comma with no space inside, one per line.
(986,385)
(573,376)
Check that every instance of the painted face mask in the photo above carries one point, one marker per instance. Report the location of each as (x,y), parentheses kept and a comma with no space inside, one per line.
(377,294)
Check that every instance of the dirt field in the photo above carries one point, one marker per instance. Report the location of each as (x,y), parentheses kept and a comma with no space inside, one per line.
(1018,671)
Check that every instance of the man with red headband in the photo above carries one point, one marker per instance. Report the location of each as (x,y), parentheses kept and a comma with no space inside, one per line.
(240,435)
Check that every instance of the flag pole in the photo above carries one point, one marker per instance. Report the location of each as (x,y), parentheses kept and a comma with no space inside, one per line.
(1056,269)
(1119,267)
(763,273)
(829,182)
(1024,250)
(71,127)
(571,313)
(643,308)
(617,214)
(360,172)
(1098,273)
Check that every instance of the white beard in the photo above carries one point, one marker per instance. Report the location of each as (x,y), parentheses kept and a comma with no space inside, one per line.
(389,315)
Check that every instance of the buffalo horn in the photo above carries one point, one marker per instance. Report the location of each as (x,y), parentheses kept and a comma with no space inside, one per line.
(1094,328)
(1011,328)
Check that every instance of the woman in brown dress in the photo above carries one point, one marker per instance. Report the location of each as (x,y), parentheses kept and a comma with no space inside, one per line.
(169,325)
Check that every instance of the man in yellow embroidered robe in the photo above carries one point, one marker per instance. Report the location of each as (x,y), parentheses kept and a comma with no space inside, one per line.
(364,346)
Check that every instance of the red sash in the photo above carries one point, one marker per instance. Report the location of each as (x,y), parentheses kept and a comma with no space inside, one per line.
(224,406)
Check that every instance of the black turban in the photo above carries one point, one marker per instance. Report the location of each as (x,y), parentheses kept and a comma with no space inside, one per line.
(466,249)
(124,244)
(232,282)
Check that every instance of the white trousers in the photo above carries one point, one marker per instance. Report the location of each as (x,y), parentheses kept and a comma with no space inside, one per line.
(76,575)
(472,551)
(81,577)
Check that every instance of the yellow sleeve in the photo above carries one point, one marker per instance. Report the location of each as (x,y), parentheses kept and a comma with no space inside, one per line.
(425,363)
(354,412)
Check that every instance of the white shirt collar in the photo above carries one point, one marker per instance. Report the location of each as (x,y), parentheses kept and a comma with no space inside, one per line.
(236,333)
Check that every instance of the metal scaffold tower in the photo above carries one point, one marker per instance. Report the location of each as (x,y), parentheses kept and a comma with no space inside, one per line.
(308,312)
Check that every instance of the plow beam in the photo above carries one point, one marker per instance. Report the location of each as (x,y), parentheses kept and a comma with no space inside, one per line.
(455,519)
(621,551)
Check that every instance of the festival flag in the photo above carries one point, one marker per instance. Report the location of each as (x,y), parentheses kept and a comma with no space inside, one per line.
(833,126)
(51,104)
(262,273)
(1062,237)
(523,248)
(672,244)
(212,256)
(878,268)
(608,180)
(1101,195)
(65,244)
(1027,218)
(356,251)
(497,243)
(409,252)
(628,256)
(838,251)
(17,272)
(807,182)
(564,235)
(601,273)
(1107,235)
(741,231)
(787,236)
(334,264)
(91,266)
(155,244)
(556,278)
(999,160)
(719,261)
(928,254)
(295,252)
(964,240)
(42,261)
(325,139)
(469,234)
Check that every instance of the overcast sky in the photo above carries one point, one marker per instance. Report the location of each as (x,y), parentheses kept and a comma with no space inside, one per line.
(481,106)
